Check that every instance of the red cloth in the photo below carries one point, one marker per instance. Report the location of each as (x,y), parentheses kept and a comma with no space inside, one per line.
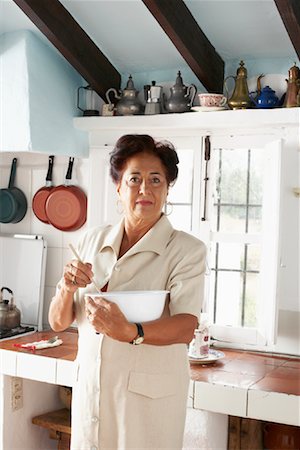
(104,288)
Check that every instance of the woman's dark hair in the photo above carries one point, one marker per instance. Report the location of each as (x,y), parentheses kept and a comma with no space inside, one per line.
(131,144)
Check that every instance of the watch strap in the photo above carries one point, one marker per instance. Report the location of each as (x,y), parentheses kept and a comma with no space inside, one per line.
(140,335)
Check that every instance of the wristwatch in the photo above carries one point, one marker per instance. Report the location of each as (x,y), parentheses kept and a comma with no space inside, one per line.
(140,336)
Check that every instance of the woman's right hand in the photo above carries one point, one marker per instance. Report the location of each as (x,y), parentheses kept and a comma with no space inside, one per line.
(77,275)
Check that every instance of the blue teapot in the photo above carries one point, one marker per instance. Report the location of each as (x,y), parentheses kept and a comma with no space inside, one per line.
(266,98)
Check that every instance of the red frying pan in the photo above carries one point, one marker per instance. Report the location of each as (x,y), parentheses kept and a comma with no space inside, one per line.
(40,197)
(66,204)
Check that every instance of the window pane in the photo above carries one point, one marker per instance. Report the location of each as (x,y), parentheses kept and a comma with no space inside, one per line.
(254,222)
(256,177)
(253,257)
(181,217)
(232,219)
(230,256)
(252,288)
(181,192)
(228,311)
(232,176)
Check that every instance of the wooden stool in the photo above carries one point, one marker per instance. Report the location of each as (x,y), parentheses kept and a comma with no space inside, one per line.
(59,425)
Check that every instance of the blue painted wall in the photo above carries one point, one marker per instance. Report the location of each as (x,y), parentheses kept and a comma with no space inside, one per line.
(47,86)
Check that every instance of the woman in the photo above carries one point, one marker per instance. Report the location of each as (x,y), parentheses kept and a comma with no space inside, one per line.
(132,380)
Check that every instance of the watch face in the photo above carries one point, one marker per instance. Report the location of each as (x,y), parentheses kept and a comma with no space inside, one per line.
(139,340)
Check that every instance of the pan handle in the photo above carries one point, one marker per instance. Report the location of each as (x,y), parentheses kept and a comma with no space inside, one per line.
(70,169)
(12,173)
(50,168)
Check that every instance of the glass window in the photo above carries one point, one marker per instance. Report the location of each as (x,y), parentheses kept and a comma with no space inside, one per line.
(181,194)
(234,286)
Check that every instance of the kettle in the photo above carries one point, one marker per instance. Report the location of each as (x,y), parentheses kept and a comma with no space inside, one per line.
(10,315)
(128,103)
(240,98)
(293,88)
(265,98)
(181,98)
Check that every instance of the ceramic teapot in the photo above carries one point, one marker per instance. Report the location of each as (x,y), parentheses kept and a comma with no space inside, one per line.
(181,98)
(10,315)
(266,98)
(128,103)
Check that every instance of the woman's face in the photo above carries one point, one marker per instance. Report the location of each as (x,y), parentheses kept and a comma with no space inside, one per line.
(143,188)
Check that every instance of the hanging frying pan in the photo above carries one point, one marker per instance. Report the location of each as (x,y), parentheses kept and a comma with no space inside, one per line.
(13,203)
(66,205)
(40,197)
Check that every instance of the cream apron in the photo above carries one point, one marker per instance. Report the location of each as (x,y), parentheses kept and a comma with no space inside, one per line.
(126,396)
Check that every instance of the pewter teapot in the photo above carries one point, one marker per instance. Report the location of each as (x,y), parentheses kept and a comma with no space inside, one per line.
(10,315)
(181,98)
(128,103)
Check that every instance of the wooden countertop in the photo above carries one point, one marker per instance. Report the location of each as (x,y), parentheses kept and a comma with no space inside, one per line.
(243,383)
(242,369)
(66,351)
(245,369)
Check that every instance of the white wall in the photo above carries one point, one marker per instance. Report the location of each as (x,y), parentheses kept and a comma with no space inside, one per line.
(31,174)
(18,433)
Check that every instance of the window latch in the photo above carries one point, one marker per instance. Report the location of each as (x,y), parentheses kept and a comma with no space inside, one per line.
(206,178)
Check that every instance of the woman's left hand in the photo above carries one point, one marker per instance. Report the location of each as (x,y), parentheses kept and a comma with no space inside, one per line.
(107,318)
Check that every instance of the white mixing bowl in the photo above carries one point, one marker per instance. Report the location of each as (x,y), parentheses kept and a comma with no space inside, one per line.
(137,306)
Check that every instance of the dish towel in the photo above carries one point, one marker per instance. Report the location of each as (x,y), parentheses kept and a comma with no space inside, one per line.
(39,345)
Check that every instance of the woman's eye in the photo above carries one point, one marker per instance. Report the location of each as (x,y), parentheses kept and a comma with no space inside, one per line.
(155,180)
(134,180)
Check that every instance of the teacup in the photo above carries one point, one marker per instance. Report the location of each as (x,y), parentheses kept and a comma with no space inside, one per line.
(199,347)
(214,100)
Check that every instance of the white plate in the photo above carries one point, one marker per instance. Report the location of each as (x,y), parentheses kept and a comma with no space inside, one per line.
(207,108)
(213,356)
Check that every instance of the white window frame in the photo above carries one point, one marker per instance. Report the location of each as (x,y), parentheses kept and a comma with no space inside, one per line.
(266,331)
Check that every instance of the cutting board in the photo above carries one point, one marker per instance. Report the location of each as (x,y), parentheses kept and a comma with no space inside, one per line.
(22,269)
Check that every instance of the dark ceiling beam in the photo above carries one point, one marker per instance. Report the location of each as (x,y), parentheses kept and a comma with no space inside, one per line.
(178,23)
(289,11)
(57,24)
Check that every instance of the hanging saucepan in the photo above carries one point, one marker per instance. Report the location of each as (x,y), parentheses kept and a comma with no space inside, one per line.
(66,205)
(13,203)
(40,197)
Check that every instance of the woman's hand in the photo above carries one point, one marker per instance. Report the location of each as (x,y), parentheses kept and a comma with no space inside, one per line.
(77,275)
(107,318)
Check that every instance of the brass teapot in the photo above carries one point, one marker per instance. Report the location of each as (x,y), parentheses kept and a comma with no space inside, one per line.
(292,96)
(128,103)
(181,98)
(240,98)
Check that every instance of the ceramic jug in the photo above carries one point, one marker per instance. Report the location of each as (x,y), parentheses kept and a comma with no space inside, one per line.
(128,103)
(181,98)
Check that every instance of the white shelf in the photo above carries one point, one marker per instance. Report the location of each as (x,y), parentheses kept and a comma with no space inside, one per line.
(193,120)
(106,130)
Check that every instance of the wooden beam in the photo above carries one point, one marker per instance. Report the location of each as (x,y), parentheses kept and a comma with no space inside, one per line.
(178,23)
(57,24)
(289,11)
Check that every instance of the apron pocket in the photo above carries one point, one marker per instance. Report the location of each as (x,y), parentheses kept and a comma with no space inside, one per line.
(152,385)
